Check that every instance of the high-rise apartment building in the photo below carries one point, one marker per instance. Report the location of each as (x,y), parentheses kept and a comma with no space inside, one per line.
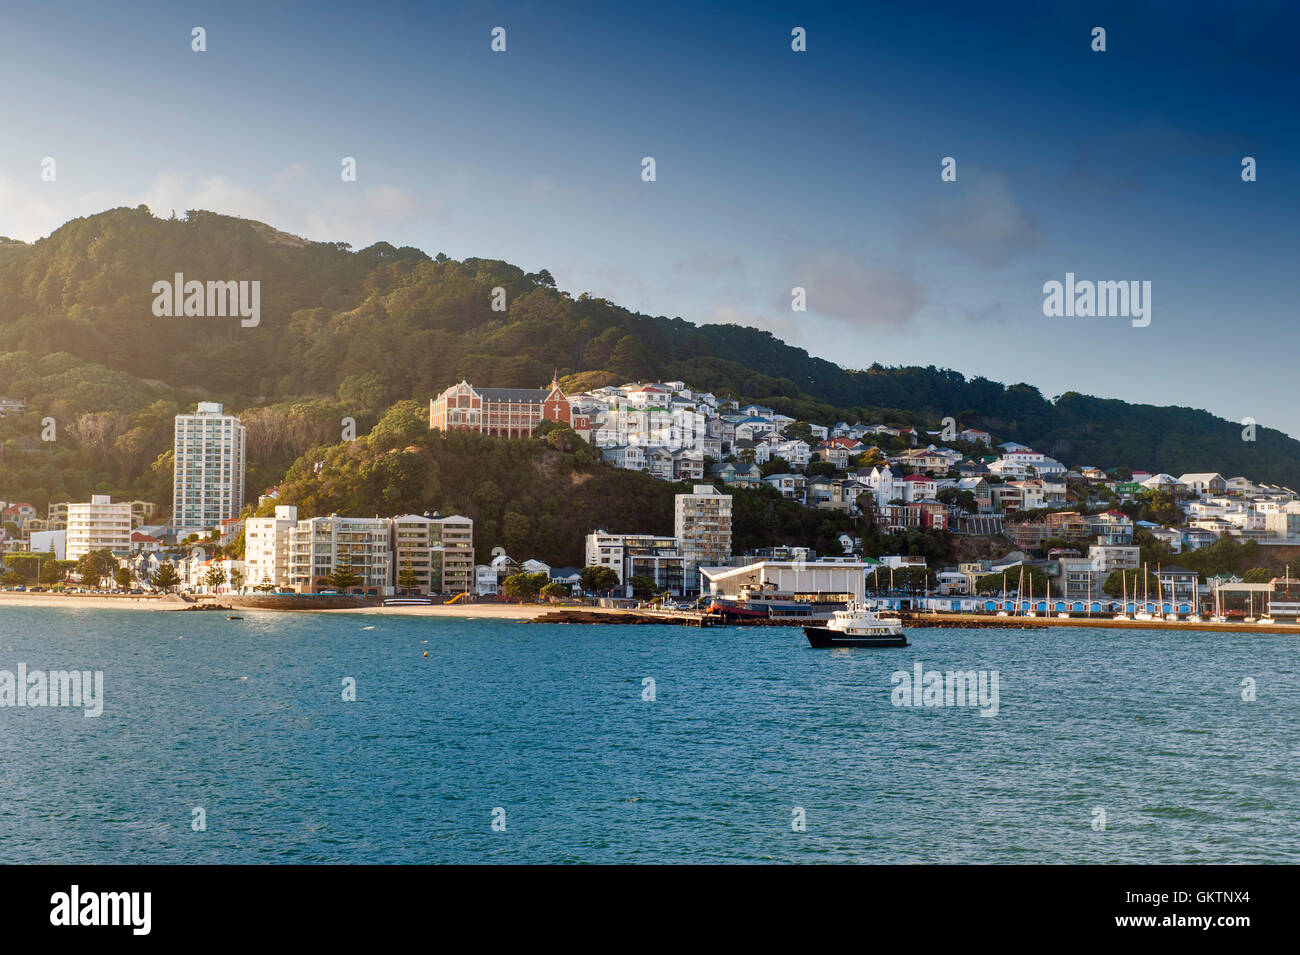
(702,525)
(208,474)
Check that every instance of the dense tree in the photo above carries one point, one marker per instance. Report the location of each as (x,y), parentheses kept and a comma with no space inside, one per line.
(524,586)
(598,579)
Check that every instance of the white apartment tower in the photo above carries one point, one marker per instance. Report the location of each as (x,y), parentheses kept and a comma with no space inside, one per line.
(266,548)
(208,475)
(702,526)
(99,525)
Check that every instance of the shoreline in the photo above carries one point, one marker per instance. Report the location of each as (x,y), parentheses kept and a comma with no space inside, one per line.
(536,613)
(173,603)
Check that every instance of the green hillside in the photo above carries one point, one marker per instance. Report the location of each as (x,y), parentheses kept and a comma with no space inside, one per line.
(348,333)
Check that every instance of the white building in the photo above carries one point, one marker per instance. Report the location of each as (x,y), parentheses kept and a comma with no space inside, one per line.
(702,526)
(208,474)
(101,524)
(616,551)
(485,579)
(266,548)
(50,542)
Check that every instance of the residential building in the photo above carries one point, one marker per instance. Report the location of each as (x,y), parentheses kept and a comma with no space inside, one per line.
(320,545)
(98,525)
(208,471)
(615,551)
(702,526)
(266,548)
(1183,582)
(1204,484)
(1108,558)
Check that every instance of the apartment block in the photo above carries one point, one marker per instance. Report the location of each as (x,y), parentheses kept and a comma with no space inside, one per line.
(438,550)
(702,526)
(98,525)
(266,548)
(208,473)
(319,545)
(619,552)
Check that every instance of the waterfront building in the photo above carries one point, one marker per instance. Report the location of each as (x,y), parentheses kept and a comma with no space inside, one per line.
(98,525)
(702,526)
(266,548)
(438,550)
(320,545)
(631,554)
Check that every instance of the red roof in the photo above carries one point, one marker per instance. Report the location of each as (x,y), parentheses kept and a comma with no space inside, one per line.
(139,538)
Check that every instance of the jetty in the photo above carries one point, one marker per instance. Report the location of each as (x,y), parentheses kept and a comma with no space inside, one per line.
(978,621)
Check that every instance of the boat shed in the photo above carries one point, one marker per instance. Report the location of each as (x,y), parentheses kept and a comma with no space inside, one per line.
(806,579)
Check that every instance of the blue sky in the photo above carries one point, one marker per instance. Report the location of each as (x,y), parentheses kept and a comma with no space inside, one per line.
(774,168)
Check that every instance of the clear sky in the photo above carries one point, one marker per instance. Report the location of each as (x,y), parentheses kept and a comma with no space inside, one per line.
(775,169)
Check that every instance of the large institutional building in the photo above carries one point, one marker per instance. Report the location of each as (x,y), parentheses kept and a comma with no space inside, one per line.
(208,474)
(502,412)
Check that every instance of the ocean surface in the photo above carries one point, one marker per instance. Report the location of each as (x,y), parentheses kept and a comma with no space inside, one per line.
(755,748)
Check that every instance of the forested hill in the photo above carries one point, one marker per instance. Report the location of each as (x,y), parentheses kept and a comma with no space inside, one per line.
(360,330)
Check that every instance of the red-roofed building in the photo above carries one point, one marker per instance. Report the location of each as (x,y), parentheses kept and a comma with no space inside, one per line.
(147,543)
(502,412)
(19,513)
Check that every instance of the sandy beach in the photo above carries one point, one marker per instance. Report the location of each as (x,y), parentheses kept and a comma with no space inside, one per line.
(89,601)
(494,611)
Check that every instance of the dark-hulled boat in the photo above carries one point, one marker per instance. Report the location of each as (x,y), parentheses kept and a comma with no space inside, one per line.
(857,627)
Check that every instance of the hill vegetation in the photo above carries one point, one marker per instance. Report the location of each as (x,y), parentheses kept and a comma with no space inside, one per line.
(347,334)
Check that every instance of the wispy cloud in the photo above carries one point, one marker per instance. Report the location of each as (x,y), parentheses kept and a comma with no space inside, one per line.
(842,286)
(981,223)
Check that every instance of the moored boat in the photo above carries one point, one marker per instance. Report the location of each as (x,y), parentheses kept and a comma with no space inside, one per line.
(857,627)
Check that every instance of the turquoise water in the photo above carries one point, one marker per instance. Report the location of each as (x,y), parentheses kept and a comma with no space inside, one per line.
(245,719)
